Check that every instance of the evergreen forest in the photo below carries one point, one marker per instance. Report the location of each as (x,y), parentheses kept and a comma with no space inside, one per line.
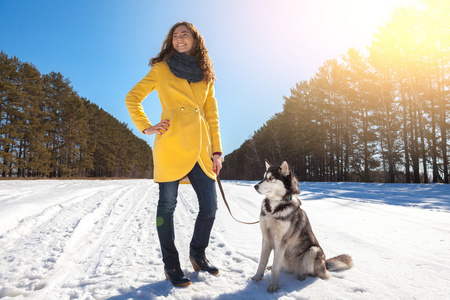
(377,115)
(48,131)
(381,115)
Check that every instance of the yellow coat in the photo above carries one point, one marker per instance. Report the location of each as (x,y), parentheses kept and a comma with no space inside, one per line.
(193,135)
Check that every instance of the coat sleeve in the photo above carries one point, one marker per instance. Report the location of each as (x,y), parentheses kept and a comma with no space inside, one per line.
(138,93)
(212,117)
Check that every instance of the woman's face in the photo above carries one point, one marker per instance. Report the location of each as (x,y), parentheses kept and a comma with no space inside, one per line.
(183,41)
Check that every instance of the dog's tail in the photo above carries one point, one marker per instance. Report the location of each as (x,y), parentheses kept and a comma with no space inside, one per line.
(339,263)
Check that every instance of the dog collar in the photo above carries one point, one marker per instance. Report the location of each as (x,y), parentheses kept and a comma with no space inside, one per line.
(287,198)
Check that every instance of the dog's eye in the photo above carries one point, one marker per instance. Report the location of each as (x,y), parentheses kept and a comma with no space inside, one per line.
(270,178)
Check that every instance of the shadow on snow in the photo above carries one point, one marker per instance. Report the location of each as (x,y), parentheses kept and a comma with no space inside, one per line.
(426,196)
(253,290)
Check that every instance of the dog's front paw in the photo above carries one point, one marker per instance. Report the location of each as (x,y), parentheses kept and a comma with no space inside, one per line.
(302,277)
(273,288)
(257,277)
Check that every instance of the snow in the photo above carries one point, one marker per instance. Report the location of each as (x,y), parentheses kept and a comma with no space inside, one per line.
(96,239)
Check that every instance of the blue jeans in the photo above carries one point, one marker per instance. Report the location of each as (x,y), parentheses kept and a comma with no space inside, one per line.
(207,198)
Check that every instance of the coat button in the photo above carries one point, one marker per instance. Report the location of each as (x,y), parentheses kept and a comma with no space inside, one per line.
(196,110)
(182,108)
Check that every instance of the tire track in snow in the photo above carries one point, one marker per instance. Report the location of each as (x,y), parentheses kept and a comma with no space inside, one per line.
(93,249)
(35,202)
(47,235)
(69,231)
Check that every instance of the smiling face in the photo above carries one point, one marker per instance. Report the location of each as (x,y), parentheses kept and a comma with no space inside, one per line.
(182,40)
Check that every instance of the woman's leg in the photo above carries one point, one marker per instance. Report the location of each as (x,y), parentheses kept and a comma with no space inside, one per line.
(207,199)
(168,192)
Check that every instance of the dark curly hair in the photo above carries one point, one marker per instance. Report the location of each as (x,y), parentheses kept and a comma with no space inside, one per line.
(198,49)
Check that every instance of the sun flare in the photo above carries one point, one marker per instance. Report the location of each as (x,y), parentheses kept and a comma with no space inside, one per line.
(355,20)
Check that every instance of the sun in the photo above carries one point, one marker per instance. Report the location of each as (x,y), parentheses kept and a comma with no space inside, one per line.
(353,21)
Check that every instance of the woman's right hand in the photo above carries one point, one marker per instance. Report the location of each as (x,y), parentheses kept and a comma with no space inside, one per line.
(159,128)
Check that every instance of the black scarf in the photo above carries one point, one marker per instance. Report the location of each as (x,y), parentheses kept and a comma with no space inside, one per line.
(185,66)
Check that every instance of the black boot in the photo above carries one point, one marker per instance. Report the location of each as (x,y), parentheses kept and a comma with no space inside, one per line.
(176,276)
(204,265)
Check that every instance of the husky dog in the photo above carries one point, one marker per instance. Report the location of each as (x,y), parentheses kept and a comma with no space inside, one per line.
(286,230)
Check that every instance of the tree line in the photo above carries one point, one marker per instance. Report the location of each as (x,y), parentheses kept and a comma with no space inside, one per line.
(378,116)
(48,131)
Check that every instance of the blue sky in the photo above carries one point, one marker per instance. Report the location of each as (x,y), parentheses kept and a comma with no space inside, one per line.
(260,48)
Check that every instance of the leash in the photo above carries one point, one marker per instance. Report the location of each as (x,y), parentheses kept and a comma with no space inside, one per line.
(226,203)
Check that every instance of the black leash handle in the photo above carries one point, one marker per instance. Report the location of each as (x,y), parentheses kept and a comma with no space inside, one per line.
(226,203)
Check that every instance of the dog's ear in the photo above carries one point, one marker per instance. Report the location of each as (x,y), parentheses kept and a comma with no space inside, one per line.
(294,185)
(285,171)
(268,165)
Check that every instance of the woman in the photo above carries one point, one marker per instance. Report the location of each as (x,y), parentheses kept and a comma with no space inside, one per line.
(186,139)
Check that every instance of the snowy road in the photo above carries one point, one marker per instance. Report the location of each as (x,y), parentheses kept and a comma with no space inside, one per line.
(96,239)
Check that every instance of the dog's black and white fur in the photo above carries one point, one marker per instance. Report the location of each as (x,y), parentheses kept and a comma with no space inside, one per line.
(286,230)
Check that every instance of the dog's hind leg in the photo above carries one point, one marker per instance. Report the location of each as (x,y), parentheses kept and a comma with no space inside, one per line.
(265,253)
(312,263)
(320,268)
